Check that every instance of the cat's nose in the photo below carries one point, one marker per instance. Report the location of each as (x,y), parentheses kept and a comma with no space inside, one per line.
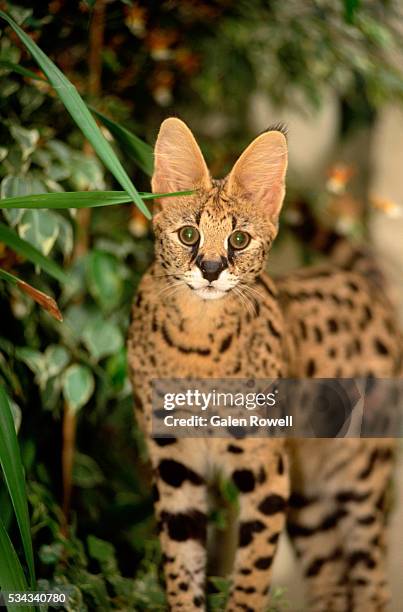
(212,268)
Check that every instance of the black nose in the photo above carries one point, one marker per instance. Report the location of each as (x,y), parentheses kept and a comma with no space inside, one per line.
(211,269)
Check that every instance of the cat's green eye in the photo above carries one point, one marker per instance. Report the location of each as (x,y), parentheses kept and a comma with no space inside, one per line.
(189,235)
(239,240)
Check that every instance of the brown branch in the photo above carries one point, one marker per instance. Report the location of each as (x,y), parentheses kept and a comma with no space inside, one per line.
(69,442)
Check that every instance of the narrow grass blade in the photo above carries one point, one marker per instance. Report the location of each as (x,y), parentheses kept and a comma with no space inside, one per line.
(12,576)
(80,113)
(13,471)
(44,300)
(81,199)
(21,70)
(12,240)
(141,152)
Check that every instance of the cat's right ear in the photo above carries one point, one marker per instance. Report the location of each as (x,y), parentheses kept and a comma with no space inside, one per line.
(178,162)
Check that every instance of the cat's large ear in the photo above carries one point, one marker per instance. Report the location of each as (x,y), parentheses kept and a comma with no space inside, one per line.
(178,162)
(259,174)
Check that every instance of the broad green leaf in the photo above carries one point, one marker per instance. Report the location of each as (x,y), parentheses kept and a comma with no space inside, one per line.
(13,186)
(80,113)
(13,471)
(78,386)
(102,338)
(56,359)
(100,550)
(11,573)
(40,228)
(3,153)
(27,139)
(104,279)
(141,152)
(65,238)
(23,247)
(85,173)
(86,472)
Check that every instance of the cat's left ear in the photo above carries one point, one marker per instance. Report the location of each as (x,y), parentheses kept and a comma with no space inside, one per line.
(259,174)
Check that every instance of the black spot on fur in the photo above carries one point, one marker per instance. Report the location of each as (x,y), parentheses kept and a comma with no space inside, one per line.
(244,480)
(333,326)
(362,556)
(247,531)
(310,368)
(232,448)
(264,563)
(274,538)
(245,571)
(183,586)
(297,500)
(198,601)
(272,504)
(380,347)
(280,464)
(366,520)
(273,330)
(175,473)
(225,344)
(318,334)
(186,526)
(352,496)
(164,441)
(316,565)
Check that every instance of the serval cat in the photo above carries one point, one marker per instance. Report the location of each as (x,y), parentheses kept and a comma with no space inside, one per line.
(189,320)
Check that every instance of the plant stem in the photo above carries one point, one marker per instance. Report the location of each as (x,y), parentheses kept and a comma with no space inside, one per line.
(69,440)
(96,41)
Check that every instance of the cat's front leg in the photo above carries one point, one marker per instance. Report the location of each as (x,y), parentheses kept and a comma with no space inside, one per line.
(261,475)
(180,495)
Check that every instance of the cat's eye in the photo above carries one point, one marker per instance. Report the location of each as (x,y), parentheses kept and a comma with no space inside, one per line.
(239,240)
(189,235)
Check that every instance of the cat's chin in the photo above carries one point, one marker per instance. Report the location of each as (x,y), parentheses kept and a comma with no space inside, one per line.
(209,293)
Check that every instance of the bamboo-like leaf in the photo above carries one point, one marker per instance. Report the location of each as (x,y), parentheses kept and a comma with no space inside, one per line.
(13,471)
(141,152)
(81,199)
(80,113)
(12,576)
(12,240)
(44,300)
(21,70)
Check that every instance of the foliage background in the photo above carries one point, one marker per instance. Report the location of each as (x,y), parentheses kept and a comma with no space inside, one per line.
(137,62)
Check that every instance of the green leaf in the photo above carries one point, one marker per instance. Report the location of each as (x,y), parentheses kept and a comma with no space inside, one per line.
(21,70)
(100,550)
(23,247)
(11,573)
(56,358)
(78,386)
(80,113)
(104,279)
(13,471)
(82,199)
(40,228)
(27,139)
(141,152)
(86,472)
(102,338)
